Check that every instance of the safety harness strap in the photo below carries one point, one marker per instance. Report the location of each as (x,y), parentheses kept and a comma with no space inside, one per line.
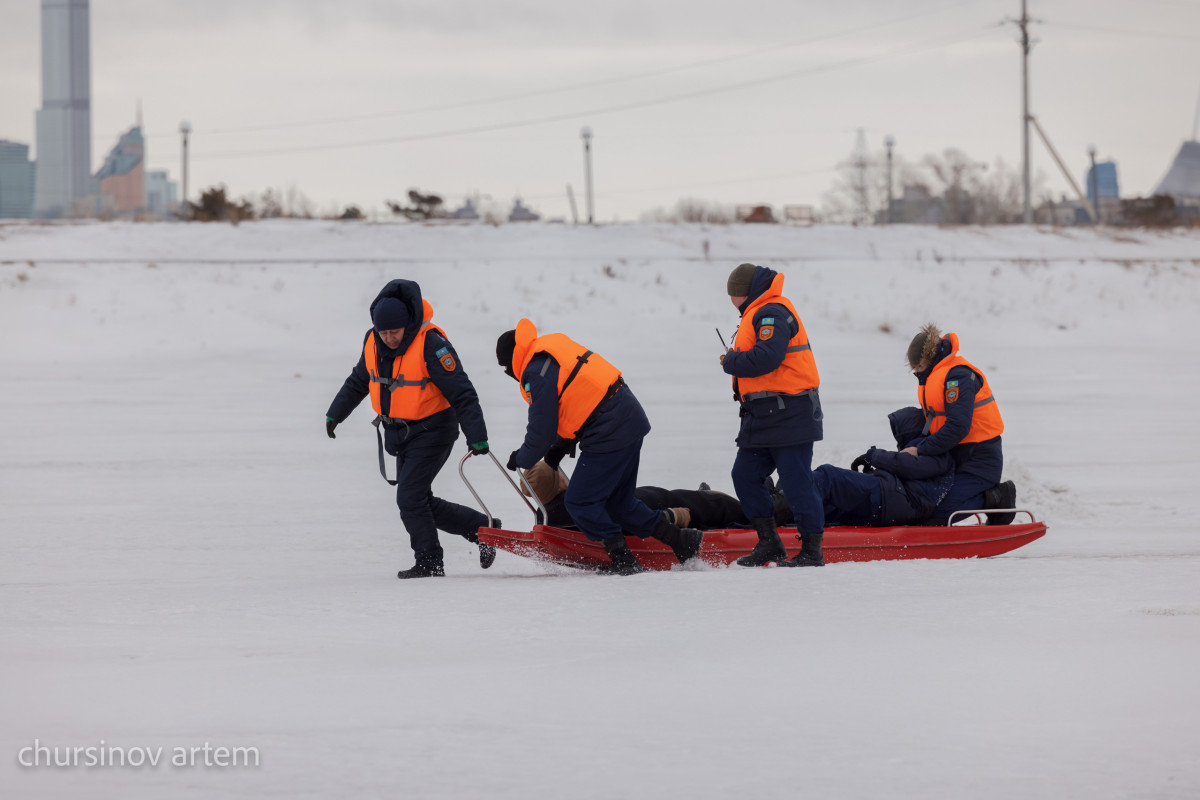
(579,362)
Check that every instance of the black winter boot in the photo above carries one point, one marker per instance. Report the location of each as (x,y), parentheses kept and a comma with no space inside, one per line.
(1002,495)
(487,553)
(624,562)
(422,571)
(810,554)
(684,542)
(769,547)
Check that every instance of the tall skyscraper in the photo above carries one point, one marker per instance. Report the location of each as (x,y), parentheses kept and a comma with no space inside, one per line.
(64,122)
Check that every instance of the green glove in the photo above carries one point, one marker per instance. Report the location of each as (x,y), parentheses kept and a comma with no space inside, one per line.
(330,424)
(479,448)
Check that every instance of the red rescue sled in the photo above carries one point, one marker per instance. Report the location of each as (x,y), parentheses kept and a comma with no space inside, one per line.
(724,546)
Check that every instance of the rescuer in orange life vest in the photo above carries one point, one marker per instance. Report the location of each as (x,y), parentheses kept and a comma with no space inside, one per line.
(962,419)
(421,394)
(775,382)
(575,396)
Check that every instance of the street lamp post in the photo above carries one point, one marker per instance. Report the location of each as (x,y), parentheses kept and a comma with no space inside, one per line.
(889,142)
(586,133)
(185,128)
(1095,185)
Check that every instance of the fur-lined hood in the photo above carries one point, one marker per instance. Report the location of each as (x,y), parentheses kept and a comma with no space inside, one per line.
(923,349)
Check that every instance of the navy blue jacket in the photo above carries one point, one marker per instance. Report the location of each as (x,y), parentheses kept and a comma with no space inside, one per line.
(772,421)
(982,459)
(912,486)
(454,384)
(617,423)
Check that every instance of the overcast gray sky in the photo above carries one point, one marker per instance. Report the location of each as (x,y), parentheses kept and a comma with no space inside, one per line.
(360,100)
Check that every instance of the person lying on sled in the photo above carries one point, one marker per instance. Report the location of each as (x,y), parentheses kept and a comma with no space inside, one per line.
(703,508)
(893,488)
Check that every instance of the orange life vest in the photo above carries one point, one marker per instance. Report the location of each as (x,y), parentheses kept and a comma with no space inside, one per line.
(934,396)
(797,373)
(413,394)
(584,378)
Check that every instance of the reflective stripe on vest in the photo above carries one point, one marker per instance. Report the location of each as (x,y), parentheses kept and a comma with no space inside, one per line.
(412,395)
(986,422)
(797,374)
(580,389)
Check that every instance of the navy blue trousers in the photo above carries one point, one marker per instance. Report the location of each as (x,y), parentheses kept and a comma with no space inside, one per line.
(754,465)
(418,462)
(848,497)
(967,493)
(600,497)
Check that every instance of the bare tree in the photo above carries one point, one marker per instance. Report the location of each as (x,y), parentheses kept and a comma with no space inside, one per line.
(691,209)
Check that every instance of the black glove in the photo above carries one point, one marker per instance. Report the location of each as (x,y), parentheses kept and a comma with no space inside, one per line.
(512,461)
(479,448)
(330,424)
(555,455)
(862,463)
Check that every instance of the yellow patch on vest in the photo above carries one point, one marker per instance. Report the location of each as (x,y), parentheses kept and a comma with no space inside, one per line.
(951,392)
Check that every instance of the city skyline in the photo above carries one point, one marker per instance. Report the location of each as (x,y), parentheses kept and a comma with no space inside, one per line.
(64,118)
(358,104)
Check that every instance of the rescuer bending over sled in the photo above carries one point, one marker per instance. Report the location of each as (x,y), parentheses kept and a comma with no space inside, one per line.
(421,394)
(576,397)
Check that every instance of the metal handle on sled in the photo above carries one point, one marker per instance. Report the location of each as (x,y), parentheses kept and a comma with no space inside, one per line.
(462,474)
(976,512)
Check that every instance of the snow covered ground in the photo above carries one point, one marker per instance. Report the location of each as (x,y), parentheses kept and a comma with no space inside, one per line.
(187,560)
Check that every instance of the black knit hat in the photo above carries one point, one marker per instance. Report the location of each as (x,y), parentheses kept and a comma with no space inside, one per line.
(390,314)
(505,346)
(740,279)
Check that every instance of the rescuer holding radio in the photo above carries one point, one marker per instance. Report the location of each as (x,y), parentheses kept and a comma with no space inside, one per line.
(775,383)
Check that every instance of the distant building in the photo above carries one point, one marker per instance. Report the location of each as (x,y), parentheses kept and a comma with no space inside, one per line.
(64,122)
(520,213)
(916,205)
(161,193)
(754,213)
(17,175)
(799,215)
(1182,180)
(466,211)
(121,182)
(1063,212)
(1103,192)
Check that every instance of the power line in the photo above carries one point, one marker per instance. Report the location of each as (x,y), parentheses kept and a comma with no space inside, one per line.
(585,85)
(956,38)
(676,187)
(1120,32)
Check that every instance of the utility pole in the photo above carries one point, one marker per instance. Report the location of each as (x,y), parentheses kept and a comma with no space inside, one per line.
(1196,124)
(889,142)
(1094,184)
(864,215)
(1024,23)
(185,128)
(586,133)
